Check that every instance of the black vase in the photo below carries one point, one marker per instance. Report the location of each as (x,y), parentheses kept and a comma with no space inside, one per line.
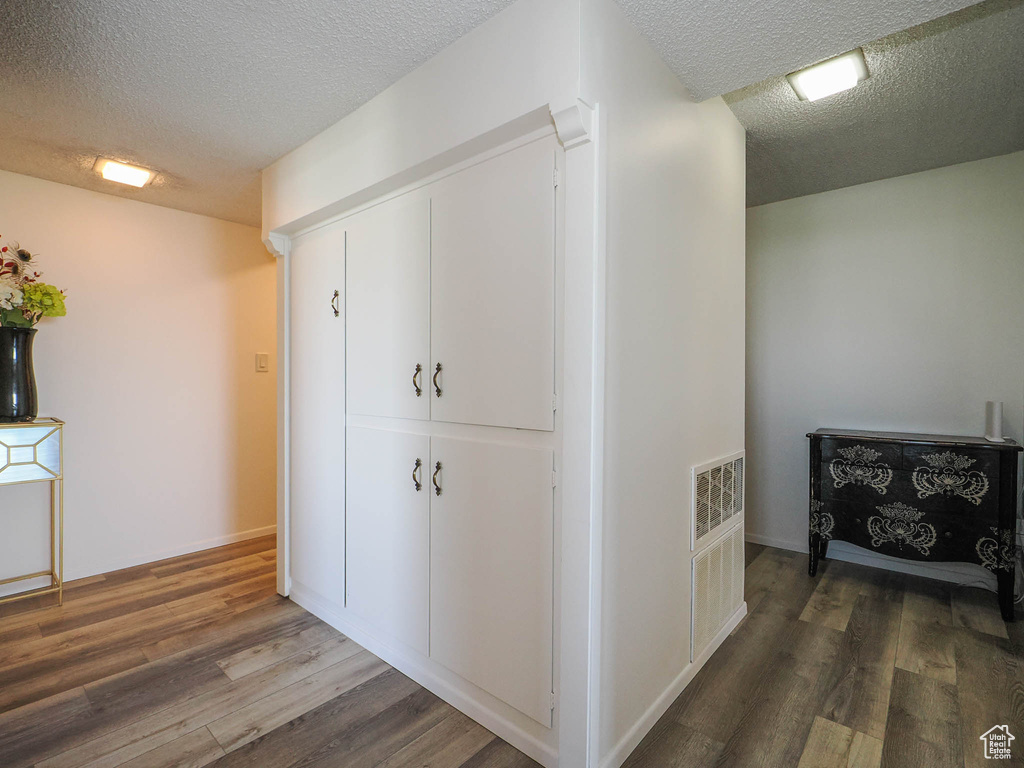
(18,398)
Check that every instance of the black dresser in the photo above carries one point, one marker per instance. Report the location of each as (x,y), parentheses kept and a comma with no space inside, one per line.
(936,498)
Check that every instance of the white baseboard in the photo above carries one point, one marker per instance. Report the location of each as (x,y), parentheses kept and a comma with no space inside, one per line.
(183,549)
(624,748)
(419,670)
(768,541)
(955,573)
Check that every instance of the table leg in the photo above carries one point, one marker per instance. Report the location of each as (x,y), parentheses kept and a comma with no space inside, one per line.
(1005,580)
(59,486)
(53,534)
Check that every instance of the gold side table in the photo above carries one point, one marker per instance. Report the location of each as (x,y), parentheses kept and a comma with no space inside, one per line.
(33,452)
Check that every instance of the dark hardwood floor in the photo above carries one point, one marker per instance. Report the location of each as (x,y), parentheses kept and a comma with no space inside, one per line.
(196,661)
(856,667)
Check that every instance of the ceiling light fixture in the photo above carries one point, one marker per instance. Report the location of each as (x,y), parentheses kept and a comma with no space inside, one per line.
(111,170)
(829,77)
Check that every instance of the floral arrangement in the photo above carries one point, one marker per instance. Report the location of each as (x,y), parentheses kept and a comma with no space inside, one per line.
(24,300)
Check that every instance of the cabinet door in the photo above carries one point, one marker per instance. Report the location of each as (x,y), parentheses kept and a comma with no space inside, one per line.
(491,569)
(388,533)
(493,291)
(388,295)
(317,381)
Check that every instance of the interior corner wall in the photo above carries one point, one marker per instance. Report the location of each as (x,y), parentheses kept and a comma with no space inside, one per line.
(674,388)
(896,305)
(170,438)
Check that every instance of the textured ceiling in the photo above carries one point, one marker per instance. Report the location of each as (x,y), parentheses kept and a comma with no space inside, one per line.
(717,46)
(209,93)
(944,92)
(206,92)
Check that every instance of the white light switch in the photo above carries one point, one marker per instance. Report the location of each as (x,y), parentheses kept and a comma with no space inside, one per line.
(262,362)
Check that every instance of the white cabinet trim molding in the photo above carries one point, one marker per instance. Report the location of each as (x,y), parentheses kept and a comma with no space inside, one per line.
(574,124)
(279,245)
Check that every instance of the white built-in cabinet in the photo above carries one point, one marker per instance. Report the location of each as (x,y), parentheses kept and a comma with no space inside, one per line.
(424,442)
(491,569)
(388,309)
(492,291)
(473,520)
(451,297)
(389,533)
(317,389)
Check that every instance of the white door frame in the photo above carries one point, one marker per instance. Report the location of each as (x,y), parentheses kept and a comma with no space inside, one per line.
(280,246)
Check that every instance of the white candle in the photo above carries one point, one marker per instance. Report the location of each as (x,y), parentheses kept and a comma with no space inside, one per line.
(994,421)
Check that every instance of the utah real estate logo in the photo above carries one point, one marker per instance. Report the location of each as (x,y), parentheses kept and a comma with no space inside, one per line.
(997,742)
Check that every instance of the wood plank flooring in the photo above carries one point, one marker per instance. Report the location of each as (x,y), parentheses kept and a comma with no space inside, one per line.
(856,667)
(197,662)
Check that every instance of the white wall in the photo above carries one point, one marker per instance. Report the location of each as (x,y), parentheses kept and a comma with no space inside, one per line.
(894,305)
(674,385)
(170,437)
(503,71)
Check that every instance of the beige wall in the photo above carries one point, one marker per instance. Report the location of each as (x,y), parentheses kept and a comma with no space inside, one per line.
(894,305)
(170,438)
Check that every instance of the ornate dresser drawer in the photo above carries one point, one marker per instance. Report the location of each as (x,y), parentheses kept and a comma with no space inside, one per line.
(919,497)
(861,453)
(974,494)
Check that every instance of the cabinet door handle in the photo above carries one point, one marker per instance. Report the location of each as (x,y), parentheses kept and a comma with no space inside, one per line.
(415,380)
(416,470)
(437,486)
(334,304)
(437,387)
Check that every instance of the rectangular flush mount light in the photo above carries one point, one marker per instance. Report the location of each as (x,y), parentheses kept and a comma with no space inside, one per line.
(829,77)
(111,170)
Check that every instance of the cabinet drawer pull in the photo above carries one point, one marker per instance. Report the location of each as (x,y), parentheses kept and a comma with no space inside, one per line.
(334,304)
(416,475)
(437,387)
(437,486)
(415,381)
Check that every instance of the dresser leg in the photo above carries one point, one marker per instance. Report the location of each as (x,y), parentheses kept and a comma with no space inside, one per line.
(1005,584)
(812,542)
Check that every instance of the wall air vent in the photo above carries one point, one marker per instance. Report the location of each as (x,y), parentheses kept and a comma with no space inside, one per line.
(717,497)
(717,589)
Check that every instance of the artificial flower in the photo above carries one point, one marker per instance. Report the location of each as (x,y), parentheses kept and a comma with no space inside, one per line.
(42,300)
(16,262)
(11,296)
(23,300)
(12,269)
